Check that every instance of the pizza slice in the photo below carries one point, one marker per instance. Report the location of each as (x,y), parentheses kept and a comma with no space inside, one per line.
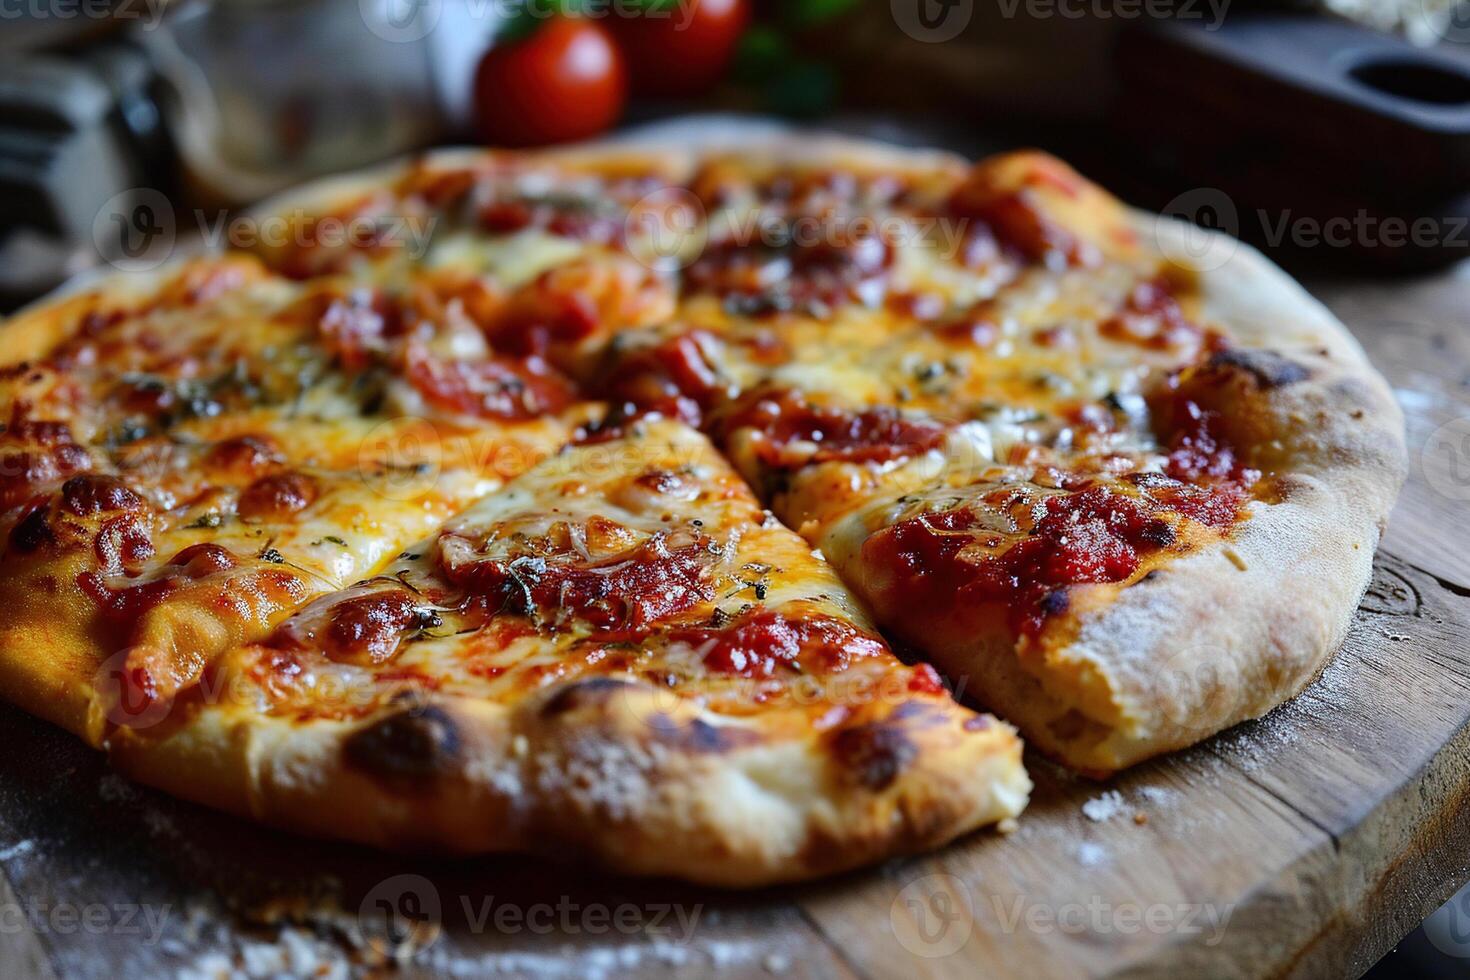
(1133,587)
(619,654)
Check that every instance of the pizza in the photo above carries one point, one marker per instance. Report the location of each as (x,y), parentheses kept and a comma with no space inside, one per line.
(648,503)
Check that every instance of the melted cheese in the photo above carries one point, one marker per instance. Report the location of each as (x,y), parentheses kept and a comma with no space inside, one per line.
(1008,352)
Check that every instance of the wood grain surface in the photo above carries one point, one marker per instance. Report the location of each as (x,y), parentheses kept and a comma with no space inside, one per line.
(1304,844)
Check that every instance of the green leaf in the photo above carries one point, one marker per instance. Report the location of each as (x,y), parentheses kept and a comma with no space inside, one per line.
(529,16)
(808,13)
(517,27)
(804,90)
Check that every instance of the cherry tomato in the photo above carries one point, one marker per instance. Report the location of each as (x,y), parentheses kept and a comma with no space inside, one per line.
(676,49)
(566,81)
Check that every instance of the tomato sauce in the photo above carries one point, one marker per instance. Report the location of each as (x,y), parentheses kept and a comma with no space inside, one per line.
(1095,534)
(674,379)
(625,592)
(125,605)
(762,642)
(500,388)
(373,626)
(1020,226)
(878,434)
(34,455)
(809,268)
(277,497)
(1152,318)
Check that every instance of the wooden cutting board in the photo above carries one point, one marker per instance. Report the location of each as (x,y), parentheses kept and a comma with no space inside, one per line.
(1307,843)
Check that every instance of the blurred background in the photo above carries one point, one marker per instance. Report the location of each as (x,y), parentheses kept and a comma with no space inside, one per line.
(1335,133)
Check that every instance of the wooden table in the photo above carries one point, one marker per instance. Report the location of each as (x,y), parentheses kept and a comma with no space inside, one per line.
(1307,843)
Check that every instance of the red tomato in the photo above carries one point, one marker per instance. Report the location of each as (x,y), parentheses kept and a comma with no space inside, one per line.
(564,82)
(681,50)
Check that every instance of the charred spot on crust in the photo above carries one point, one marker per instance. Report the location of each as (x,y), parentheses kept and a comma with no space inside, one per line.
(578,694)
(1268,368)
(411,746)
(875,753)
(698,735)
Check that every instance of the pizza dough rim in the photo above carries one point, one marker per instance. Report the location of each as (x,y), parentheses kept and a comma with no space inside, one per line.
(1231,648)
(780,810)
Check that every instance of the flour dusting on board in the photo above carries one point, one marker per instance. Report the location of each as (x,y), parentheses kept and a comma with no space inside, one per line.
(1157,795)
(294,953)
(1105,807)
(604,962)
(1254,744)
(1090,855)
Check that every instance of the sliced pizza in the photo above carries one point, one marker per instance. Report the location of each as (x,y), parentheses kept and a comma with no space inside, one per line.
(478,512)
(619,654)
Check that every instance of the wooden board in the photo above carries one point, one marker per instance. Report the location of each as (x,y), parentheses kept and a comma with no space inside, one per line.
(1304,844)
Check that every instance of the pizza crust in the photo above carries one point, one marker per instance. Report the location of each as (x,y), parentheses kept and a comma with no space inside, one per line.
(43,324)
(611,771)
(1210,642)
